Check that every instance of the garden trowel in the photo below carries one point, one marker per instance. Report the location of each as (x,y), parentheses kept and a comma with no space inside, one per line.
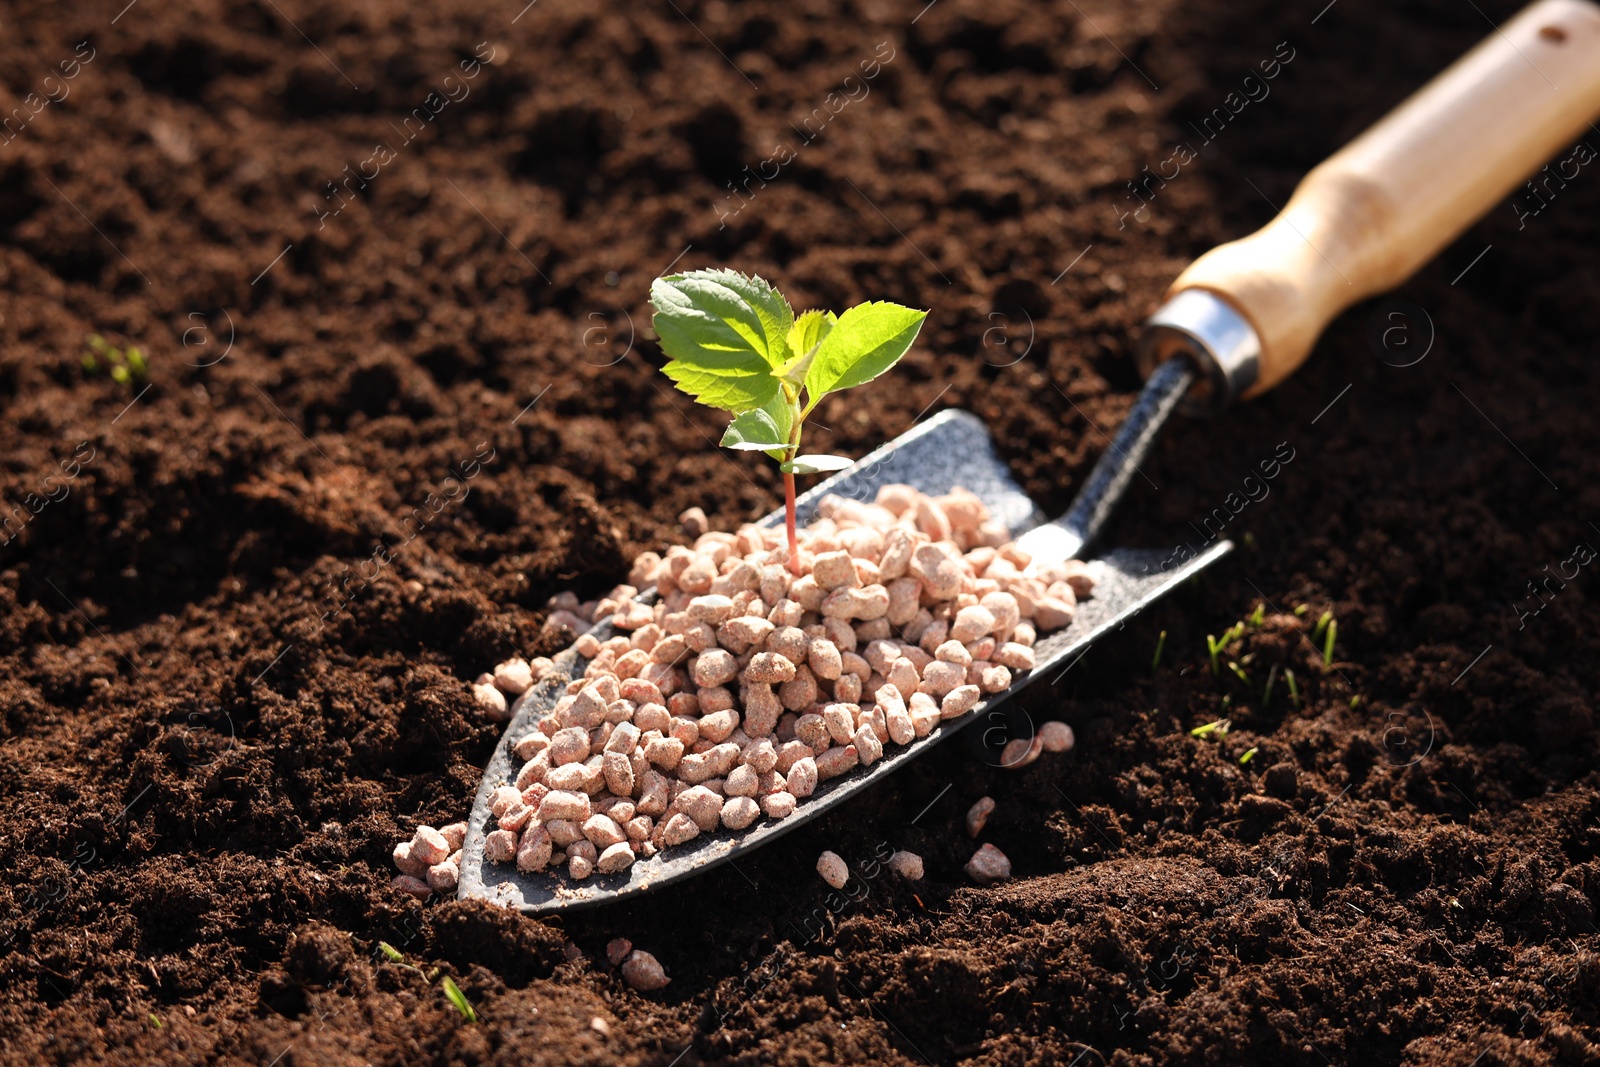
(1239,320)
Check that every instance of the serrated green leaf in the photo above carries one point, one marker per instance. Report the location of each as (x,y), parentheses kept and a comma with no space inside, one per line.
(867,340)
(809,330)
(815,464)
(754,431)
(804,337)
(721,322)
(731,391)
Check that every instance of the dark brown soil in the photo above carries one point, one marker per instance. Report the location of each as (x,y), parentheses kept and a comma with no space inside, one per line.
(217,713)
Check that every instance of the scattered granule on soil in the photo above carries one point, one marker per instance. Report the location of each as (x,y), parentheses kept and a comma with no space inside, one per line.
(907,865)
(1056,737)
(988,865)
(1021,751)
(978,816)
(833,869)
(744,685)
(643,972)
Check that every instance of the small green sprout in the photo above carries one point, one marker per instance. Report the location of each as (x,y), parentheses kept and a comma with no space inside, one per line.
(155,1020)
(1215,645)
(732,342)
(395,956)
(1355,702)
(452,991)
(1250,754)
(1327,643)
(1161,646)
(1238,672)
(1258,616)
(1266,694)
(1218,729)
(458,998)
(1302,609)
(1322,624)
(124,365)
(1294,690)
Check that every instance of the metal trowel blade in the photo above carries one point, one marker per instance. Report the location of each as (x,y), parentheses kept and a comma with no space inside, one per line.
(952,449)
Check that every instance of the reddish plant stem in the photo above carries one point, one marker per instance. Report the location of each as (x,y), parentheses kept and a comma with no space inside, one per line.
(788,522)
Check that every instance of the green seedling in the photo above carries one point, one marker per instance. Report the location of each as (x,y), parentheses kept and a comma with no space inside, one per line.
(1322,624)
(458,998)
(1355,702)
(1301,610)
(1249,754)
(1161,646)
(1218,729)
(1327,643)
(398,958)
(1257,616)
(1215,645)
(1238,672)
(124,365)
(732,342)
(1294,689)
(452,991)
(1266,694)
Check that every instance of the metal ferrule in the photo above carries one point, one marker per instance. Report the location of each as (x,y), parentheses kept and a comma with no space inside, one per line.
(1219,341)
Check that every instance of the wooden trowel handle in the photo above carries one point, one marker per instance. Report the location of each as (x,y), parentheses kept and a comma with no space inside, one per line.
(1366,219)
